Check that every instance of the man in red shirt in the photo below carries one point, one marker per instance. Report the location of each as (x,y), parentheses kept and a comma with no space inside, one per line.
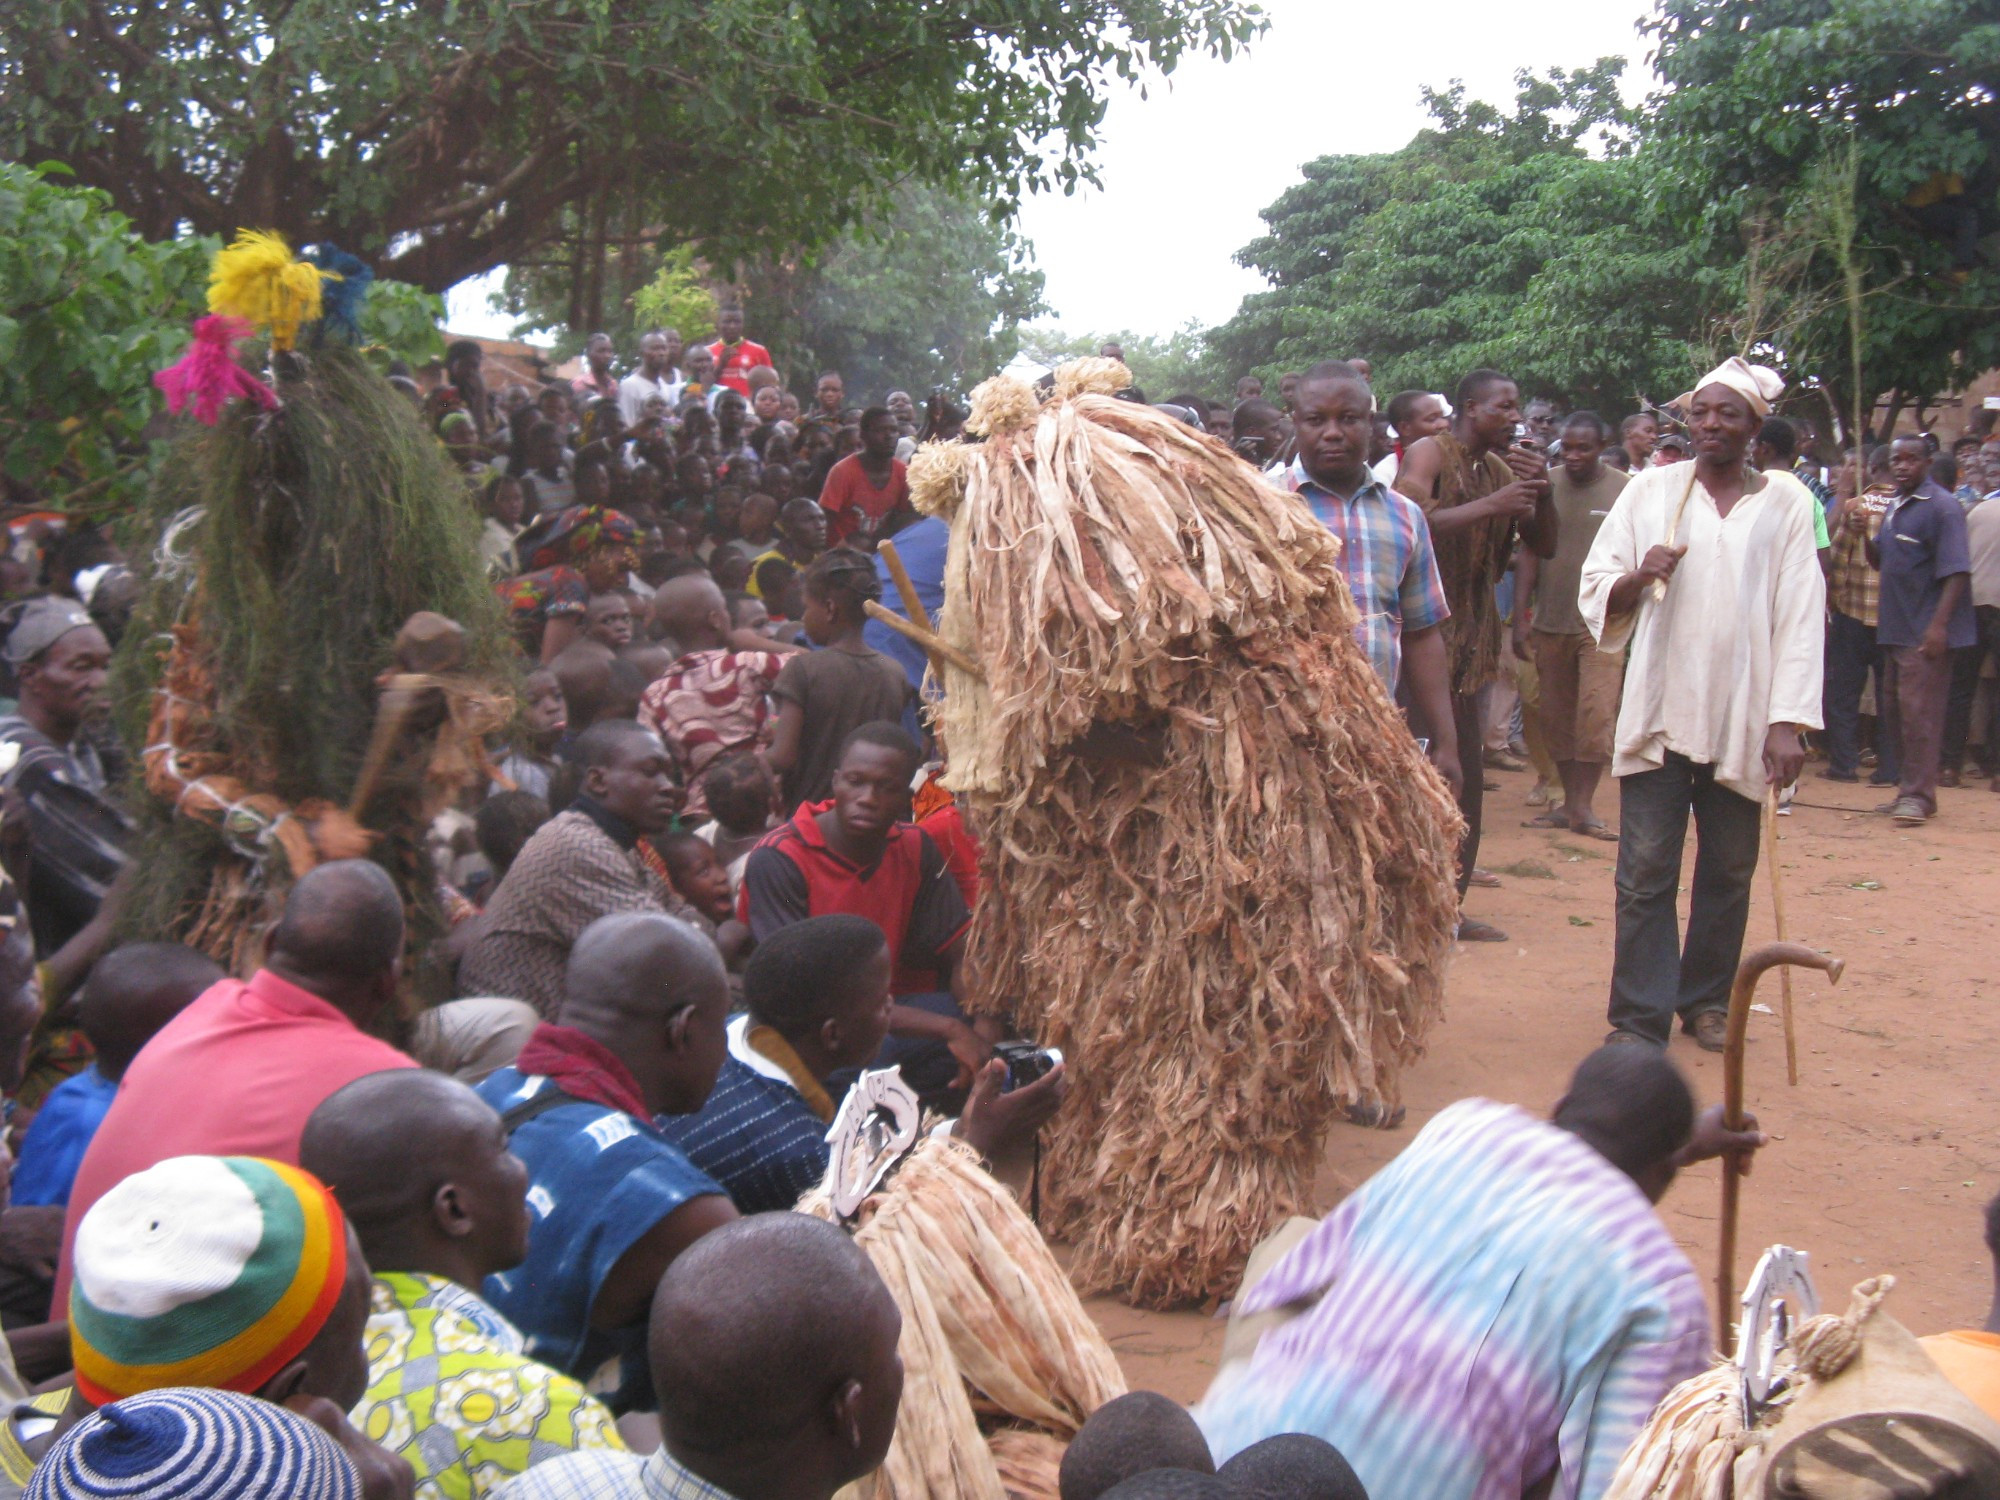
(859,855)
(867,487)
(238,1071)
(735,356)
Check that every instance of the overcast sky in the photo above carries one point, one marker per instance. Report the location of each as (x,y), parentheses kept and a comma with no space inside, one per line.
(1186,170)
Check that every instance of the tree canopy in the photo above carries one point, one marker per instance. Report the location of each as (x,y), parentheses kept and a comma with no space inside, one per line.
(1797,141)
(88,311)
(441,138)
(1490,239)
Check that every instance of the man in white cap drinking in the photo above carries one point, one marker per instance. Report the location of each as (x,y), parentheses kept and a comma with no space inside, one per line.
(1707,569)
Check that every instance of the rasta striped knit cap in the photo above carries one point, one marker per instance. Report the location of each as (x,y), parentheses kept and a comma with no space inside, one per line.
(194,1445)
(209,1271)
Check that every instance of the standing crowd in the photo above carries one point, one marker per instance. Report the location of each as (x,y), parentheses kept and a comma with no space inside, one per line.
(268,1238)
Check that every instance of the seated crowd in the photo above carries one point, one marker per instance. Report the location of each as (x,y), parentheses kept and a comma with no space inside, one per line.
(269,1236)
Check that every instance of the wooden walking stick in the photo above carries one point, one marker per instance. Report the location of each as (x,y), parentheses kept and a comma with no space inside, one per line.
(1674,529)
(1747,974)
(1778,909)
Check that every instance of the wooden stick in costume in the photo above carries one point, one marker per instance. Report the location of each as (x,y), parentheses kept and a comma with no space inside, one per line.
(1747,974)
(1235,934)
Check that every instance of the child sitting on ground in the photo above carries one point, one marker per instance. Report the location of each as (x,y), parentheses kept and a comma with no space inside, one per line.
(131,993)
(544,718)
(743,805)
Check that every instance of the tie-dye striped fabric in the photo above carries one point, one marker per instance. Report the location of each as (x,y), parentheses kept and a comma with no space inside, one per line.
(1498,1298)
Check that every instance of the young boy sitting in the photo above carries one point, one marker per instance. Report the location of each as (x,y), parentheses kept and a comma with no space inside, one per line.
(544,719)
(131,993)
(818,1004)
(742,801)
(699,879)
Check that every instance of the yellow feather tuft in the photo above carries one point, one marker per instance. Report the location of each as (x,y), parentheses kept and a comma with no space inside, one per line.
(257,279)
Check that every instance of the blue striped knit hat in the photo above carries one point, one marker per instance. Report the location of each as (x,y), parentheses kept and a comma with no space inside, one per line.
(187,1444)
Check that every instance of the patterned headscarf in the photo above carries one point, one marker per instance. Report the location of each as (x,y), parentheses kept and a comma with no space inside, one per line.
(569,536)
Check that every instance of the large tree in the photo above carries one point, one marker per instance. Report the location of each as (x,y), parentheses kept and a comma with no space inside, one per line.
(441,138)
(1514,240)
(927,292)
(89,310)
(1835,163)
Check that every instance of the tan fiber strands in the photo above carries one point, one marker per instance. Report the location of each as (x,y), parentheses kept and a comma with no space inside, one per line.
(1231,944)
(994,1338)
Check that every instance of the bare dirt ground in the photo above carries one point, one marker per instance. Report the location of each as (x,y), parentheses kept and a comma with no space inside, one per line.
(1884,1155)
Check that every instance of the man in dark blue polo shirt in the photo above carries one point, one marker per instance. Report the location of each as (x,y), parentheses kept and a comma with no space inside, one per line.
(1925,613)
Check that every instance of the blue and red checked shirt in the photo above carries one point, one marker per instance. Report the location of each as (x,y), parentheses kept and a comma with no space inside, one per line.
(1385,551)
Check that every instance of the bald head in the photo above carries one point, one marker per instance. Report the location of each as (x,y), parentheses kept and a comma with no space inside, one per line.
(385,1142)
(421,1166)
(639,966)
(761,1330)
(653,990)
(691,610)
(342,932)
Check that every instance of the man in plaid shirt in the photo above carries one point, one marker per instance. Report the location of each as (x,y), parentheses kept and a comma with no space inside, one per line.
(1853,592)
(1385,551)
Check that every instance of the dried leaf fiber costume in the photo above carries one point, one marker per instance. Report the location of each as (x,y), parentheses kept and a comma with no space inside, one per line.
(1229,946)
(1001,1363)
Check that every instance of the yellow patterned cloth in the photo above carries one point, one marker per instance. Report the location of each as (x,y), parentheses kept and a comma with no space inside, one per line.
(450,1390)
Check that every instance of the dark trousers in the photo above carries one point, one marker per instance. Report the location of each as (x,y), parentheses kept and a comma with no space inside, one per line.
(1965,665)
(1851,654)
(1914,691)
(1653,977)
(1466,715)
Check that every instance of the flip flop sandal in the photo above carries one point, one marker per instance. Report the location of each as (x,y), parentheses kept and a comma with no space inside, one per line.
(1598,831)
(1550,819)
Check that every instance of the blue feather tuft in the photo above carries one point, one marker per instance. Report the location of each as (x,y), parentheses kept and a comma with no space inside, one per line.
(341,300)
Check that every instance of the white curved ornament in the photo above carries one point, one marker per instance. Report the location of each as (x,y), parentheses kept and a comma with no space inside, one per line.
(876,1128)
(1780,1296)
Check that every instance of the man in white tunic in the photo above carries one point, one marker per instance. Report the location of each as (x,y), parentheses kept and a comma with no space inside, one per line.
(1708,570)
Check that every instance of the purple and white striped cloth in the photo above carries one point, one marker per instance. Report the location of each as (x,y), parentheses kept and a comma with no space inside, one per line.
(1498,1301)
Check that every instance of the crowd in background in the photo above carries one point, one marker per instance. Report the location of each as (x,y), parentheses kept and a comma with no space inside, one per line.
(530,1247)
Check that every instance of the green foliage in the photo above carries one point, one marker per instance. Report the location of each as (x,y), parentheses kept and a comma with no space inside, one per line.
(1765,98)
(678,297)
(445,137)
(400,321)
(1180,363)
(1490,239)
(317,531)
(88,311)
(929,294)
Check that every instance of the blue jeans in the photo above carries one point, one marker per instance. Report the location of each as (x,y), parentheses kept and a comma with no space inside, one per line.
(1653,978)
(1851,654)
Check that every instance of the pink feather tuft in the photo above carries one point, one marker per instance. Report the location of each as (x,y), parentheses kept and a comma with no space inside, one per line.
(208,377)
